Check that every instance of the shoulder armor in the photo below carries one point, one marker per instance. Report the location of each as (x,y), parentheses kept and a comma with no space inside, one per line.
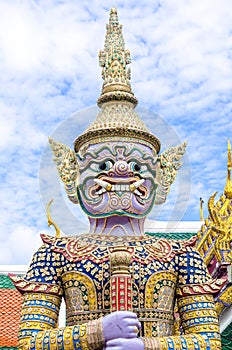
(24,286)
(210,287)
(48,239)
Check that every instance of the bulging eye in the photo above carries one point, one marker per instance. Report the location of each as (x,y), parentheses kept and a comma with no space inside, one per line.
(134,166)
(105,166)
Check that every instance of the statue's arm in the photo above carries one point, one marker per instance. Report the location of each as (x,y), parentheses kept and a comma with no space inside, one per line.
(42,295)
(38,327)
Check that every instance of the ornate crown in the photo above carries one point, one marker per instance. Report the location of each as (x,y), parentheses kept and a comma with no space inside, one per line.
(117,118)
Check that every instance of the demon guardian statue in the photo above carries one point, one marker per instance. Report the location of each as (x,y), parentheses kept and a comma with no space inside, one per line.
(119,285)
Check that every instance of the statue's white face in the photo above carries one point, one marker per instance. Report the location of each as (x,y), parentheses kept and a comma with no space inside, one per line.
(117,178)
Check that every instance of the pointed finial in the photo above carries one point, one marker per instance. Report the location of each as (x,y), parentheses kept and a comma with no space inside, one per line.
(114,60)
(228,186)
(201,210)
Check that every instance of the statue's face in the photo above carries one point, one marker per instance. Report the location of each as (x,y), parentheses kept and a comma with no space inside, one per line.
(117,178)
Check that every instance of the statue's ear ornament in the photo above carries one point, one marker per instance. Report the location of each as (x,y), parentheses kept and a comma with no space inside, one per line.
(67,166)
(169,165)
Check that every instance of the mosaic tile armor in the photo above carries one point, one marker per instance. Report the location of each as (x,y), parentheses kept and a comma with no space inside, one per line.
(80,270)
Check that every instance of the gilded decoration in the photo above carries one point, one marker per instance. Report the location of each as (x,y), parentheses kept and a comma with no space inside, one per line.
(85,283)
(214,240)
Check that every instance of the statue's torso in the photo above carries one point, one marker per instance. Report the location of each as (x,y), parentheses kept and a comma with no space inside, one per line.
(84,272)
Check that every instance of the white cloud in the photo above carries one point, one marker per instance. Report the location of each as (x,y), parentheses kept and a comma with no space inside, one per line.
(18,246)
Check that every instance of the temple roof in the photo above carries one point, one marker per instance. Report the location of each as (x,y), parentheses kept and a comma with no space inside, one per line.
(226,337)
(10,308)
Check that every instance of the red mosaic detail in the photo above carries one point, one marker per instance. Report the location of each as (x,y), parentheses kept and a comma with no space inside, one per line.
(10,311)
(121,293)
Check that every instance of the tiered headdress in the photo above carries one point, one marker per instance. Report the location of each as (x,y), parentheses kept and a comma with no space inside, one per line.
(117,118)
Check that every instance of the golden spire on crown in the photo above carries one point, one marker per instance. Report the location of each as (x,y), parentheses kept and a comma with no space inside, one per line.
(114,60)
(117,120)
(228,186)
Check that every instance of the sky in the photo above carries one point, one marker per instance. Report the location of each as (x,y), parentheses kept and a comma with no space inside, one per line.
(50,80)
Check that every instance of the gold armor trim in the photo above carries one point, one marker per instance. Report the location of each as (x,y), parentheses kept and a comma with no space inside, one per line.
(39,312)
(73,283)
(195,298)
(94,333)
(161,302)
(198,315)
(175,343)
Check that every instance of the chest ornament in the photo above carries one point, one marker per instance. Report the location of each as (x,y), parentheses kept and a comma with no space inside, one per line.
(142,249)
(72,248)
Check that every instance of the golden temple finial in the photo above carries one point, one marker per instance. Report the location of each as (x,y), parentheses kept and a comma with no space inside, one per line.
(201,210)
(228,186)
(50,221)
(114,60)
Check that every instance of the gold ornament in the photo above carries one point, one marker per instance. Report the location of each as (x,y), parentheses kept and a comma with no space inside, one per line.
(169,165)
(50,221)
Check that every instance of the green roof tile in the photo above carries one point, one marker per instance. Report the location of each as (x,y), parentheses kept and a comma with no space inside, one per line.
(6,283)
(227,338)
(172,235)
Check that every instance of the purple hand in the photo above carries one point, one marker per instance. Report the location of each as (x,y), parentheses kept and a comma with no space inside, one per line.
(125,344)
(120,324)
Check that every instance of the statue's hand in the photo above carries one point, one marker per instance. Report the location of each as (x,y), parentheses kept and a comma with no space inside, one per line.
(120,324)
(125,344)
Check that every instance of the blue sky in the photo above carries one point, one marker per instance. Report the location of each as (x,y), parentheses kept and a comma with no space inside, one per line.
(181,70)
